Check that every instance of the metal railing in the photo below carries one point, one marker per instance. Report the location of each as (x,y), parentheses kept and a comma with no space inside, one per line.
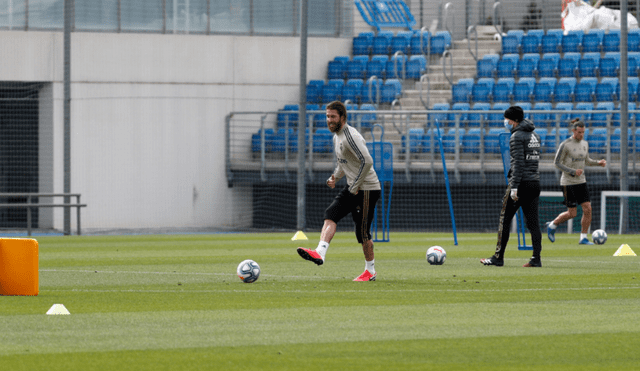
(30,205)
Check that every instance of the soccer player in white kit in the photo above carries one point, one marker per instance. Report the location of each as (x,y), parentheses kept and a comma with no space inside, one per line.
(358,198)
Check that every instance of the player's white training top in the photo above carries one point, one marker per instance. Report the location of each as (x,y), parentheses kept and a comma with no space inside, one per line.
(571,156)
(354,160)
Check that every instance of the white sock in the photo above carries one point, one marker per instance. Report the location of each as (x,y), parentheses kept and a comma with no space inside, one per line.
(583,236)
(370,266)
(552,226)
(322,248)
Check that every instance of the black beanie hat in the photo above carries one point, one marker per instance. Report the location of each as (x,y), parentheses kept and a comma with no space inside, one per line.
(514,113)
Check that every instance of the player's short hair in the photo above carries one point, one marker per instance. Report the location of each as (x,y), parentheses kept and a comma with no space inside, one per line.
(339,107)
(576,123)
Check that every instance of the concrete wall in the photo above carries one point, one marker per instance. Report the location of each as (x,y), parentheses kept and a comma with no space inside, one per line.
(148,114)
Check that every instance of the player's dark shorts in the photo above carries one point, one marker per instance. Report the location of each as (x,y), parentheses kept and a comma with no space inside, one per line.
(575,194)
(361,206)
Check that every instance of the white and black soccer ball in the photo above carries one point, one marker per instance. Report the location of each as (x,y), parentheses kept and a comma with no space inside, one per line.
(599,236)
(248,271)
(436,255)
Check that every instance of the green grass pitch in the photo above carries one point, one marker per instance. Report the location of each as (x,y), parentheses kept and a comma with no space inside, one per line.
(174,302)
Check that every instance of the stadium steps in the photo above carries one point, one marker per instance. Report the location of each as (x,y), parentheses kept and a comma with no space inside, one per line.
(463,65)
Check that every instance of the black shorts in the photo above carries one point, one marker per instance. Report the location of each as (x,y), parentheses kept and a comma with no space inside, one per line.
(361,206)
(575,195)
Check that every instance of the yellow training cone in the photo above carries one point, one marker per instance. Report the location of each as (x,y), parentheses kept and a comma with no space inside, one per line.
(624,250)
(299,236)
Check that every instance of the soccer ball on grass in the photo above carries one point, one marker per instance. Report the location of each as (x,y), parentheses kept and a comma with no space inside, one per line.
(436,255)
(599,236)
(248,271)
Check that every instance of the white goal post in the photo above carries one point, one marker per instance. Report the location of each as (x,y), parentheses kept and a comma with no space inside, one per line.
(603,206)
(559,195)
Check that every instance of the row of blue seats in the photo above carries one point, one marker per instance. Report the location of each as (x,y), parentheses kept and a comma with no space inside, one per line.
(596,40)
(546,89)
(355,90)
(609,115)
(407,42)
(286,140)
(382,66)
(361,116)
(555,65)
(469,140)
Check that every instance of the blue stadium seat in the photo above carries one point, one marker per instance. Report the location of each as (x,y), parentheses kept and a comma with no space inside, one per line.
(552,145)
(523,90)
(508,65)
(486,68)
(391,90)
(288,116)
(400,42)
(633,42)
(481,92)
(381,42)
(548,65)
(615,119)
(323,141)
(633,83)
(332,90)
(491,141)
(565,117)
(442,117)
(419,42)
(471,140)
(611,41)
(568,65)
(416,66)
(564,89)
(550,43)
(496,119)
(461,90)
(478,119)
(463,117)
(285,140)
(592,41)
(616,140)
(440,42)
(503,89)
(528,66)
(510,44)
(356,67)
(586,116)
(432,136)
(396,67)
(589,64)
(586,89)
(370,91)
(336,68)
(608,89)
(609,65)
(352,90)
(314,91)
(450,140)
(415,141)
(256,140)
(600,119)
(542,132)
(531,43)
(598,140)
(368,117)
(363,43)
(376,66)
(320,119)
(633,63)
(572,42)
(544,89)
(541,119)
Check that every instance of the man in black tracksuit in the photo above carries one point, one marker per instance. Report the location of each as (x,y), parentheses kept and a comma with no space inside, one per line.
(524,186)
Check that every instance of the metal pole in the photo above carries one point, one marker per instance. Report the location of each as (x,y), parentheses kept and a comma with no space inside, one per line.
(68,17)
(624,119)
(302,116)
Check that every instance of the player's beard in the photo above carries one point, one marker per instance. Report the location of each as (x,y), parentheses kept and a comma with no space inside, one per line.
(334,127)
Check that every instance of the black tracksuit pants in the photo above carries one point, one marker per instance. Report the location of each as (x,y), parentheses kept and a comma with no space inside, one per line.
(528,197)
